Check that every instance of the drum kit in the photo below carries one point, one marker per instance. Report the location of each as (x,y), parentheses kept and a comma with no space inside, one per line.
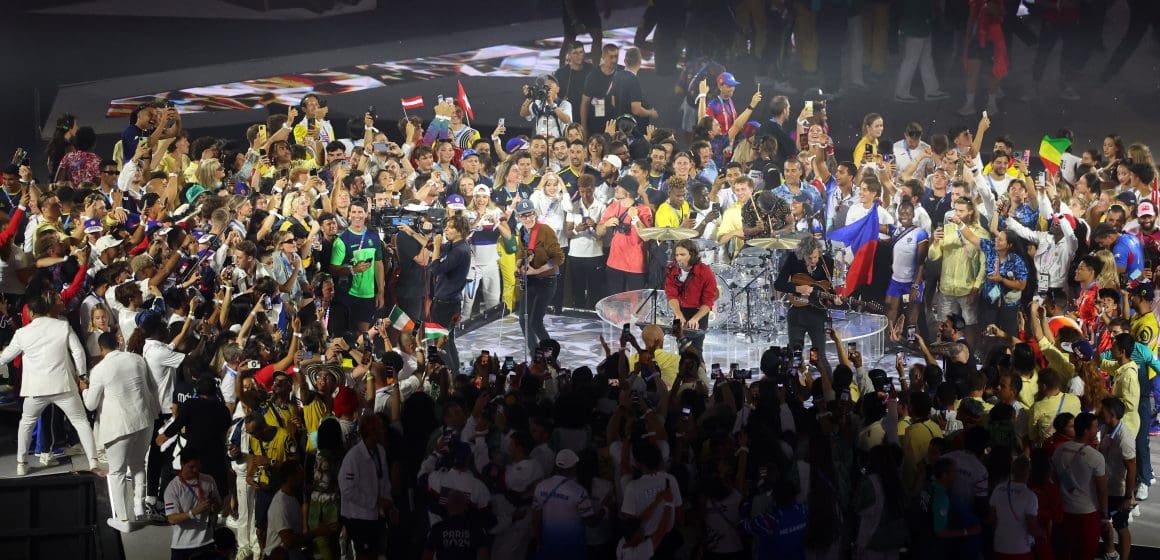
(747,303)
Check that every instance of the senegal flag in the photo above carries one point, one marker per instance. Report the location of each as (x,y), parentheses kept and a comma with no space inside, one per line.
(1051,152)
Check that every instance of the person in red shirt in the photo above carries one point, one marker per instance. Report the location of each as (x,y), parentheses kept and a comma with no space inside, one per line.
(624,217)
(691,289)
(1085,273)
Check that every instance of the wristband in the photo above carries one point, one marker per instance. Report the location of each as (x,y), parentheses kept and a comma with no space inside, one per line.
(297,335)
(286,126)
(750,108)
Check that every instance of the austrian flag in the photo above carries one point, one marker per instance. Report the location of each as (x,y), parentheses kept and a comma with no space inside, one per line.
(413,102)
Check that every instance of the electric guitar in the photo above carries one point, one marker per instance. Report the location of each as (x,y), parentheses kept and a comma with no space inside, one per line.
(824,293)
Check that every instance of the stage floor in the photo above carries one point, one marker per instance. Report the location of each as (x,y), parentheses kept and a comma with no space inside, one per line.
(579,339)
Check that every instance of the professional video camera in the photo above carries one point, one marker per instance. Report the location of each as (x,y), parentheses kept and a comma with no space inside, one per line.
(387,220)
(537,90)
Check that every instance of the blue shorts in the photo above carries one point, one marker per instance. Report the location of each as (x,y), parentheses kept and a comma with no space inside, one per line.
(896,288)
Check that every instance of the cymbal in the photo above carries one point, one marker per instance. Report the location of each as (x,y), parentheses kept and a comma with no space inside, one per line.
(667,234)
(705,244)
(774,243)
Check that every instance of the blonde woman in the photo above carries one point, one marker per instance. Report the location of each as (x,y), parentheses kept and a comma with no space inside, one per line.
(1109,277)
(483,216)
(210,174)
(340,200)
(100,322)
(296,211)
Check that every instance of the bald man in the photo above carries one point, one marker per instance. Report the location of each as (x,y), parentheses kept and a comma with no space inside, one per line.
(654,341)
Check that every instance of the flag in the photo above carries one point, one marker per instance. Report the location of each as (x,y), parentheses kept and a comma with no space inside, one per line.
(861,237)
(434,331)
(463,102)
(413,102)
(400,320)
(1051,152)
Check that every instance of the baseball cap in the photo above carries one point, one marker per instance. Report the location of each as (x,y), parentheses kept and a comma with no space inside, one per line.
(1081,348)
(628,183)
(468,153)
(613,160)
(566,459)
(514,145)
(193,192)
(751,129)
(1145,209)
(481,189)
(1127,197)
(93,225)
(206,239)
(525,207)
(105,242)
(455,202)
(1144,289)
(727,79)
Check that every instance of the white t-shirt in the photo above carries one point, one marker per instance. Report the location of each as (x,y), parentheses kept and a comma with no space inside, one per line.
(1076,466)
(721,519)
(1013,502)
(639,493)
(523,475)
(564,504)
(181,496)
(996,186)
(857,212)
(284,513)
(906,255)
(1118,446)
(586,243)
(972,480)
(162,361)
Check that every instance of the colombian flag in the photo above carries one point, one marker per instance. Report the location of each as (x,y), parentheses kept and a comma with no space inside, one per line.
(862,239)
(1051,151)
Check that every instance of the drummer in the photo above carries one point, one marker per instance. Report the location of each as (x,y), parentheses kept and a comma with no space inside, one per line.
(691,288)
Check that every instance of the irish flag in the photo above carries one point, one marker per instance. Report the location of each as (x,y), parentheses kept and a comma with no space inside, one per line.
(434,331)
(862,239)
(1051,152)
(400,320)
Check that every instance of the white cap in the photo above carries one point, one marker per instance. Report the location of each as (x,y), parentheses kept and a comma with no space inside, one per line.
(613,160)
(106,242)
(566,459)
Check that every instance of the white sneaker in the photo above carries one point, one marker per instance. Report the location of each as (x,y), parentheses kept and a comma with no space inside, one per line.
(74,450)
(21,469)
(122,526)
(1141,492)
(47,460)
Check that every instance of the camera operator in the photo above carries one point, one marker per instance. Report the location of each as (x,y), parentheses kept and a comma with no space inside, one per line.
(449,267)
(412,287)
(544,109)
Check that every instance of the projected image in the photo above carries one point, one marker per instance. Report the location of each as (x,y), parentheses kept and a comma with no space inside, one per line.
(536,57)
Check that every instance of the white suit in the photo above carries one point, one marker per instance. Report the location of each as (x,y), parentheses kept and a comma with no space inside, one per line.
(53,359)
(121,388)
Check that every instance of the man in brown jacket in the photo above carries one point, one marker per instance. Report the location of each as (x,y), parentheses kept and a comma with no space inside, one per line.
(538,259)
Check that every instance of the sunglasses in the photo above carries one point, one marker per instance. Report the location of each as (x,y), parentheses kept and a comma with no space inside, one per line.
(111,172)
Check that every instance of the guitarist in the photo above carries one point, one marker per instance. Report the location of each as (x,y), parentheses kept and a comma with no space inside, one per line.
(807,259)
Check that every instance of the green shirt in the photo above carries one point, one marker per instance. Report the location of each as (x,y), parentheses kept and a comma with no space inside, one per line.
(352,248)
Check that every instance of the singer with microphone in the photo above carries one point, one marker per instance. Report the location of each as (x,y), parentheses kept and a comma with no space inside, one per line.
(539,257)
(691,288)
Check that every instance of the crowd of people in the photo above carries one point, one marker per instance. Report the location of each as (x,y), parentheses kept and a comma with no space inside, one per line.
(263,329)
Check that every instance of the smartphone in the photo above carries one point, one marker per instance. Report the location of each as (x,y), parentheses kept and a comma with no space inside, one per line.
(797,359)
(509,363)
(676,326)
(810,108)
(267,302)
(852,347)
(814,355)
(307,354)
(715,370)
(901,356)
(500,122)
(142,140)
(613,382)
(1027,155)
(686,411)
(912,334)
(733,373)
(626,331)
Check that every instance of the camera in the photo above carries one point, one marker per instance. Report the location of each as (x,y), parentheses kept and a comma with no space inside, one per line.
(624,228)
(537,90)
(389,219)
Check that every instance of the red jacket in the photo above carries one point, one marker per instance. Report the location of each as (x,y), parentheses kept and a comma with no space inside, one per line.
(699,288)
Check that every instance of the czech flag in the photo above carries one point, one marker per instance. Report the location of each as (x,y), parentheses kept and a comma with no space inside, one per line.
(861,237)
